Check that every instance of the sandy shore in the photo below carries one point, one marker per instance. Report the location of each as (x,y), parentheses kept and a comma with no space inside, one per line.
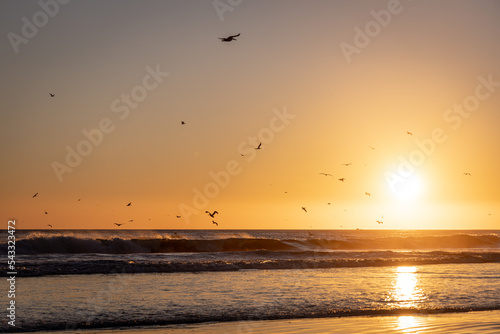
(485,322)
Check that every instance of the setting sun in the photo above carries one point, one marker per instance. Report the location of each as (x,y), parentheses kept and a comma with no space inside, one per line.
(409,189)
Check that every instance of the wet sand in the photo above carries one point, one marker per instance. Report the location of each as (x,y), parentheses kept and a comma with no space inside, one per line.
(485,322)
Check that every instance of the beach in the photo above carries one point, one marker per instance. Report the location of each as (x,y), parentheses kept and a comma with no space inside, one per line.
(256,281)
(485,322)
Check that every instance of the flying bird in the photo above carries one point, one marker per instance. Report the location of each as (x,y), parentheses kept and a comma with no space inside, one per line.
(304,208)
(212,214)
(229,38)
(467,174)
(367,194)
(409,133)
(129,204)
(178,216)
(182,122)
(258,147)
(342,179)
(347,164)
(214,222)
(79,199)
(373,148)
(378,221)
(35,195)
(49,225)
(325,174)
(52,95)
(46,212)
(119,224)
(131,220)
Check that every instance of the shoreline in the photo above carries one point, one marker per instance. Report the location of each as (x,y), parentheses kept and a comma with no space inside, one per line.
(485,322)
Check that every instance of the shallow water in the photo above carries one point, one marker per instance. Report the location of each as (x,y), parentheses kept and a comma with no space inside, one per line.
(101,301)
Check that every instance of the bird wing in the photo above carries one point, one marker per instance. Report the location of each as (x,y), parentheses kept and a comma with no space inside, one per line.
(234,36)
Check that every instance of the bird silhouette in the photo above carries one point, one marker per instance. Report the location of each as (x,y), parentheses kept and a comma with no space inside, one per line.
(178,216)
(310,233)
(467,174)
(119,224)
(409,133)
(378,221)
(131,220)
(52,95)
(46,212)
(258,147)
(367,194)
(214,222)
(229,38)
(304,208)
(129,204)
(212,214)
(182,122)
(79,199)
(49,225)
(373,148)
(325,174)
(35,195)
(347,164)
(342,179)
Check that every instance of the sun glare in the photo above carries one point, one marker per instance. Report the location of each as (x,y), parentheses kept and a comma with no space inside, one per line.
(409,189)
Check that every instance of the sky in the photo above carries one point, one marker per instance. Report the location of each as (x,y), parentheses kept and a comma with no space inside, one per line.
(405,93)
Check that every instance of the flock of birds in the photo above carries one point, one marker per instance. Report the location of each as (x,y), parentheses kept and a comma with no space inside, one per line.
(232,38)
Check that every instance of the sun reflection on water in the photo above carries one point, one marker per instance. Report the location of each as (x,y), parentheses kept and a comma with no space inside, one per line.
(407,324)
(406,294)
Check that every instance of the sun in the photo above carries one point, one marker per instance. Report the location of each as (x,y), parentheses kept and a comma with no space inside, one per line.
(408,189)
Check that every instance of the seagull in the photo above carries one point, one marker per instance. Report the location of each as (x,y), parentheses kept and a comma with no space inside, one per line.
(214,222)
(467,174)
(46,212)
(129,204)
(342,179)
(229,38)
(378,221)
(367,194)
(304,208)
(325,174)
(182,122)
(119,224)
(258,147)
(52,95)
(373,148)
(211,214)
(49,225)
(131,220)
(178,216)
(35,195)
(409,133)
(347,164)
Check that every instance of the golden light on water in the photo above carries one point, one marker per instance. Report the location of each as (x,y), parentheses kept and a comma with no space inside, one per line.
(405,293)
(407,324)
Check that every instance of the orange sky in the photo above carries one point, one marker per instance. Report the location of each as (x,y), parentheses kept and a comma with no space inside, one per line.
(127,74)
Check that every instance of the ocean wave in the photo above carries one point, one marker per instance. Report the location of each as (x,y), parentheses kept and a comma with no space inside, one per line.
(46,244)
(78,265)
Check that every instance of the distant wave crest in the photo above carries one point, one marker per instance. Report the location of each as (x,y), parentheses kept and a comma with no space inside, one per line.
(116,245)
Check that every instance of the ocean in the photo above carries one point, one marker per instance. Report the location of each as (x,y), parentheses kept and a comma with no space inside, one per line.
(100,279)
